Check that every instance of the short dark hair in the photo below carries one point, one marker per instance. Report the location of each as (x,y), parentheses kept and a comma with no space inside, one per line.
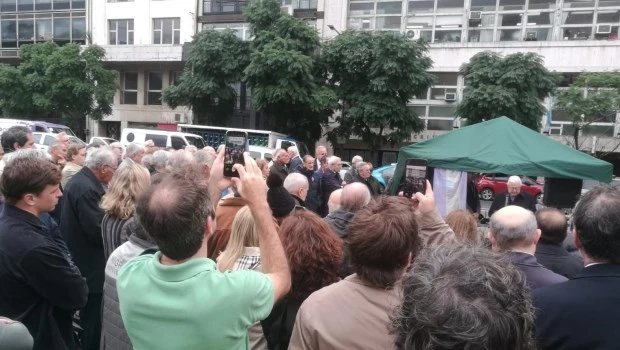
(73,150)
(174,212)
(552,224)
(597,222)
(10,136)
(459,296)
(381,236)
(27,175)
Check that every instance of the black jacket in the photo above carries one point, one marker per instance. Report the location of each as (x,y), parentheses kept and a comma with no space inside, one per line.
(473,200)
(281,170)
(39,286)
(339,220)
(582,313)
(559,260)
(536,275)
(81,226)
(305,172)
(373,185)
(524,200)
(314,200)
(330,182)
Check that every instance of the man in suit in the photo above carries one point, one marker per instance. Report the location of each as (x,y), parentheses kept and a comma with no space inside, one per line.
(513,196)
(549,251)
(81,227)
(513,230)
(584,313)
(295,160)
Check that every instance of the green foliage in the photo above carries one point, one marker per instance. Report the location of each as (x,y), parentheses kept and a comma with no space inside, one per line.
(53,81)
(513,86)
(216,61)
(375,75)
(598,104)
(285,72)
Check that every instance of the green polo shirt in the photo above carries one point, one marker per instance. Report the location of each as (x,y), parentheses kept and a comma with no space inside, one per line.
(191,305)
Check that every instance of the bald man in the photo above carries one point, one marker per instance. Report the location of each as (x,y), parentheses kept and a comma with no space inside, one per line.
(514,196)
(514,230)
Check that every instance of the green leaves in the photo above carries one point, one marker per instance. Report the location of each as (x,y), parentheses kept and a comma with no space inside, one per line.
(375,75)
(513,86)
(58,81)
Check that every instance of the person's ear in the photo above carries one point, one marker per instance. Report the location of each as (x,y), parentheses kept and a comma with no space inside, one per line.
(29,199)
(576,240)
(537,236)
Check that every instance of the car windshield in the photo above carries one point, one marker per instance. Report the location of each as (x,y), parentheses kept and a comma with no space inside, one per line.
(196,141)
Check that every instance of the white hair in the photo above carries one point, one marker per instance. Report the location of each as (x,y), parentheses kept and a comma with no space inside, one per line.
(204,157)
(332,160)
(514,180)
(98,157)
(133,148)
(147,160)
(295,182)
(294,150)
(179,159)
(191,148)
(149,143)
(357,159)
(25,154)
(159,159)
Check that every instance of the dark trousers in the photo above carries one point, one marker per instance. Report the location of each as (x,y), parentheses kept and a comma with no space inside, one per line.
(90,320)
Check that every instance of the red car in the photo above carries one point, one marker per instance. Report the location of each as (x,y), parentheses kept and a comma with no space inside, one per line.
(491,184)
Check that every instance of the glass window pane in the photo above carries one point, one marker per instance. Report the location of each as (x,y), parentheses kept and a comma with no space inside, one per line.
(177,23)
(8,6)
(580,33)
(388,22)
(44,29)
(42,5)
(421,6)
(449,21)
(440,94)
(61,4)
(538,34)
(62,28)
(448,79)
(25,5)
(483,5)
(131,81)
(360,23)
(450,6)
(26,30)
(130,24)
(420,22)
(434,124)
(389,8)
(577,4)
(608,3)
(130,97)
(419,110)
(78,4)
(484,35)
(509,19)
(157,37)
(426,35)
(130,38)
(540,18)
(78,31)
(447,36)
(154,98)
(122,32)
(155,81)
(9,30)
(359,9)
(510,35)
(488,20)
(177,36)
(441,111)
(166,36)
(608,16)
(511,5)
(578,17)
(157,23)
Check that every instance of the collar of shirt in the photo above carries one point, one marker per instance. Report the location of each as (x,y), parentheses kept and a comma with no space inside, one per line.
(14,212)
(180,272)
(592,264)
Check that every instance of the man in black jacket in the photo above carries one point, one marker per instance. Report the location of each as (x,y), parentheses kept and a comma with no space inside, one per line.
(473,200)
(280,164)
(549,250)
(584,312)
(331,180)
(514,196)
(40,287)
(81,227)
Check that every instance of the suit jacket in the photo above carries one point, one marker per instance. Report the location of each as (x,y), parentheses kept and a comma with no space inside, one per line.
(559,260)
(536,275)
(281,170)
(81,226)
(583,313)
(473,201)
(295,163)
(330,182)
(524,200)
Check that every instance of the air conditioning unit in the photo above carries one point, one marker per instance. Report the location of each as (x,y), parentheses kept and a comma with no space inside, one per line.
(180,118)
(413,34)
(450,97)
(475,16)
(531,36)
(287,9)
(603,29)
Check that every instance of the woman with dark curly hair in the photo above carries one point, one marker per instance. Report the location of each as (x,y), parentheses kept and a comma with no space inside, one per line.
(314,254)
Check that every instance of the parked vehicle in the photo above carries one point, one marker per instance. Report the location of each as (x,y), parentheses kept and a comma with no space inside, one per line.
(161,138)
(258,152)
(102,140)
(36,126)
(384,174)
(491,184)
(215,136)
(42,140)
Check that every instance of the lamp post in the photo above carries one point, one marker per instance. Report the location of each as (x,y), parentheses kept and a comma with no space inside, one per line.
(331,27)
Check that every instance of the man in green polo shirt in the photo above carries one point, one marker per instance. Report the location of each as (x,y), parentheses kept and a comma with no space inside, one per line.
(176,298)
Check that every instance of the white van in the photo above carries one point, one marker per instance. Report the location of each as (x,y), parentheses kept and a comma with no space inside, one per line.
(161,138)
(258,152)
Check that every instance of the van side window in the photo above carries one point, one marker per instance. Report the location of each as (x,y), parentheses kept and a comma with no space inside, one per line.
(177,142)
(158,140)
(131,137)
(286,144)
(48,140)
(36,138)
(39,128)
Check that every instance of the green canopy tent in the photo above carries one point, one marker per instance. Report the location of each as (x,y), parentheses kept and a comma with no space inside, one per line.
(503,146)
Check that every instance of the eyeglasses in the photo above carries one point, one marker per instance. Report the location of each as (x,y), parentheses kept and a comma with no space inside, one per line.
(113,168)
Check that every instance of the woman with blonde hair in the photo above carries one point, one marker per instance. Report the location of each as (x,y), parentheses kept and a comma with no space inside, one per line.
(464,225)
(119,204)
(243,253)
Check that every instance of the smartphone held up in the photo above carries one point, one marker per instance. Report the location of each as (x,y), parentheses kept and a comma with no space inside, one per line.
(236,145)
(414,179)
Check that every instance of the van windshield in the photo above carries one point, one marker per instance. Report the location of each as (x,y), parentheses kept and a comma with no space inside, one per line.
(199,142)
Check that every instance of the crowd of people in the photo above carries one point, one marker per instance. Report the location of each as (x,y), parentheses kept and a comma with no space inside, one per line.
(111,247)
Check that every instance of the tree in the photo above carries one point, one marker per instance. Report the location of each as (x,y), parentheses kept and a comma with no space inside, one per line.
(215,62)
(54,81)
(374,76)
(285,73)
(593,97)
(513,86)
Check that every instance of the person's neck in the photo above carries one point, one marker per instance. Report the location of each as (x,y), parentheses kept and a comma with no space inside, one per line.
(201,253)
(527,250)
(588,260)
(27,208)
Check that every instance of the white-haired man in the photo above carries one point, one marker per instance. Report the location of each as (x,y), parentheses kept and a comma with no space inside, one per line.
(331,180)
(133,154)
(297,185)
(514,196)
(350,175)
(296,161)
(280,162)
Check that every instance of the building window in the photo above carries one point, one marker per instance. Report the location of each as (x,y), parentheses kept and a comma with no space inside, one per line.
(242,30)
(175,77)
(154,87)
(375,14)
(224,6)
(42,5)
(120,31)
(62,4)
(166,31)
(25,5)
(129,94)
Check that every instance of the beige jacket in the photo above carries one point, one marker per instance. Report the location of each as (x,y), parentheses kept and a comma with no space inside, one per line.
(68,171)
(352,315)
